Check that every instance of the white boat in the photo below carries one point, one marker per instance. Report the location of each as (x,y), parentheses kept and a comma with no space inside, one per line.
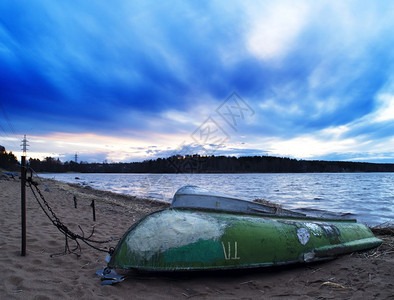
(195,197)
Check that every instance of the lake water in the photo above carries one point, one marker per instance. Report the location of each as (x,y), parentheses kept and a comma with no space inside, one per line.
(368,196)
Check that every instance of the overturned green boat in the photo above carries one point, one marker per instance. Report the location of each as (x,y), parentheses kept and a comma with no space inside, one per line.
(210,234)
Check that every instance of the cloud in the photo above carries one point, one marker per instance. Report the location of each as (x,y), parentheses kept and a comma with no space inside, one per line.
(275,27)
(97,148)
(385,112)
(318,74)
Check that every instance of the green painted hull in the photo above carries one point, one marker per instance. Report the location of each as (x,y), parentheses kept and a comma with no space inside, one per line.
(179,239)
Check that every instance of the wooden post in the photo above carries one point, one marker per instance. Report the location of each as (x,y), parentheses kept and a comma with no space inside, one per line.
(94,210)
(23,204)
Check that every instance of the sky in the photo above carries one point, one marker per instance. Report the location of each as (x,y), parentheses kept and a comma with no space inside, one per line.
(122,81)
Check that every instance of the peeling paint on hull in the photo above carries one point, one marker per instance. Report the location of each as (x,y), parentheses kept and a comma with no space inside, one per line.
(176,239)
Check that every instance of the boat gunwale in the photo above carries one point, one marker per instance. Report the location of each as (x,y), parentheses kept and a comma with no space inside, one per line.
(261,215)
(228,268)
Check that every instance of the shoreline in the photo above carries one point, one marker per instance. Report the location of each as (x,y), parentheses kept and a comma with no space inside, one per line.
(366,199)
(40,276)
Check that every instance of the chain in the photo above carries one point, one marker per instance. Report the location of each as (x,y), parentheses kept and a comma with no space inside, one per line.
(63,228)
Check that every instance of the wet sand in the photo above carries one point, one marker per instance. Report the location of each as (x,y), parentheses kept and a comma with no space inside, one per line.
(38,275)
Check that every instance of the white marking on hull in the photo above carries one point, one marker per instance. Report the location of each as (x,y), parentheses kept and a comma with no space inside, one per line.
(172,229)
(227,255)
(303,235)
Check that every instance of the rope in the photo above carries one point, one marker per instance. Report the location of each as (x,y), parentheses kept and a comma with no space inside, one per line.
(44,205)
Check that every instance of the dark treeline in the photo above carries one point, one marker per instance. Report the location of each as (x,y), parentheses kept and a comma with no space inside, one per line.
(8,160)
(196,164)
(210,164)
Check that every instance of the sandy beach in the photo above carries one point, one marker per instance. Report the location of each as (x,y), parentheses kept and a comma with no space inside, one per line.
(42,275)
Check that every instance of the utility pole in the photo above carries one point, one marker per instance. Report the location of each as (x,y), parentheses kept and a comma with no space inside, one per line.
(23,194)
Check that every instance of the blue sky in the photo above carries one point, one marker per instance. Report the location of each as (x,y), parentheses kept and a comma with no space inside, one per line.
(134,80)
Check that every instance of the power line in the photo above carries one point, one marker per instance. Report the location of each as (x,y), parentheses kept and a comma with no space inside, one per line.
(7,120)
(3,129)
(7,130)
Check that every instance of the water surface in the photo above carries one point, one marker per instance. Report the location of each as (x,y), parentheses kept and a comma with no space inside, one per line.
(368,196)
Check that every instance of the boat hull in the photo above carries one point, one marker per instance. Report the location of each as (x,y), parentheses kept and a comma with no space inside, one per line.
(194,197)
(181,239)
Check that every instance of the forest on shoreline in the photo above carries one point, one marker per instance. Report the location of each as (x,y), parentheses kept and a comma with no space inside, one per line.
(197,164)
